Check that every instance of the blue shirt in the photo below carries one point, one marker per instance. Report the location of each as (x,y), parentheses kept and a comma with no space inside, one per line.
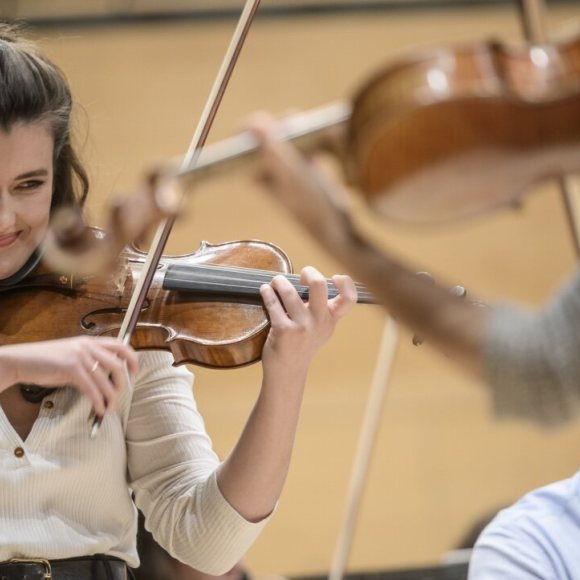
(538,537)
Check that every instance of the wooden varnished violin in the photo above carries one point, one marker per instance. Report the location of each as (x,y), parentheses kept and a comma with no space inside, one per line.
(477,125)
(204,307)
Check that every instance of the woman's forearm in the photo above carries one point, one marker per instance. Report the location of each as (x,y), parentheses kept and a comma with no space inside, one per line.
(252,476)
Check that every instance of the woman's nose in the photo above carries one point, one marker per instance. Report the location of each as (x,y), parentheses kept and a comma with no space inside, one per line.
(7,212)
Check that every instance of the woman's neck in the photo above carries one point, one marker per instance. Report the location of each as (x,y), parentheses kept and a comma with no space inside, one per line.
(28,266)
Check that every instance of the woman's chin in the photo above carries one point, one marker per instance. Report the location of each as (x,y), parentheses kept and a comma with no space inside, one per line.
(11,265)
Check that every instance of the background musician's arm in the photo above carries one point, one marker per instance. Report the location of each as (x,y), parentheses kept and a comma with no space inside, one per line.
(529,360)
(454,326)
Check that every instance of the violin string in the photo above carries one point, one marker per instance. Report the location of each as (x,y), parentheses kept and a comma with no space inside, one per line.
(259,277)
(332,292)
(265,276)
(232,278)
(254,284)
(252,273)
(233,281)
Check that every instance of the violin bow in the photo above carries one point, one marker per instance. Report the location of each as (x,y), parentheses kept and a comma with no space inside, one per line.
(197,142)
(532,14)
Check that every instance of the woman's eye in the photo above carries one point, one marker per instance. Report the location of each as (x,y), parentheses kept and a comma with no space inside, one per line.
(30,185)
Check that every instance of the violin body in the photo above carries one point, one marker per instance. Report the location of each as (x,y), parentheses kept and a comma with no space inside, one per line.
(209,328)
(453,132)
(217,329)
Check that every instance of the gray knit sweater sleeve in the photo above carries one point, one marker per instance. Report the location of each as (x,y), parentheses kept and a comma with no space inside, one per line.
(532,359)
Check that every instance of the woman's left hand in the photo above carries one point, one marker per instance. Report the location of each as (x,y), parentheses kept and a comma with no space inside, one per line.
(252,476)
(300,328)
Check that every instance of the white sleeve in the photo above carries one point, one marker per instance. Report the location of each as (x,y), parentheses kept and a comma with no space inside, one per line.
(171,468)
(507,554)
(536,538)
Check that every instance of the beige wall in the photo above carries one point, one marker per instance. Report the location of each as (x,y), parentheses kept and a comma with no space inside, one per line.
(440,460)
(73,8)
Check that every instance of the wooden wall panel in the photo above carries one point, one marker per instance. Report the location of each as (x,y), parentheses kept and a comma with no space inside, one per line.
(72,8)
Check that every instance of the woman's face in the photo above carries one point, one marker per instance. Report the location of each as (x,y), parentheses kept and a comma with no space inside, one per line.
(26,176)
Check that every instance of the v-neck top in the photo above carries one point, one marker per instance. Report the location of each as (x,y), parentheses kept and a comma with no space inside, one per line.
(63,494)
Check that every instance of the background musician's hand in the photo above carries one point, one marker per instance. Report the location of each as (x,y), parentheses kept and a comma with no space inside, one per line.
(300,328)
(93,365)
(319,203)
(301,184)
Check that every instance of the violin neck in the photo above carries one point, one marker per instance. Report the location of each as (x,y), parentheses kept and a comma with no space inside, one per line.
(314,129)
(215,283)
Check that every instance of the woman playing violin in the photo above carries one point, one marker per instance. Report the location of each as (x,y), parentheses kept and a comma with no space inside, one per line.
(66,498)
(529,360)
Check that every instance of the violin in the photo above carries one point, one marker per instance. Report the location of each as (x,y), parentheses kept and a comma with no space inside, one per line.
(204,307)
(447,133)
(452,133)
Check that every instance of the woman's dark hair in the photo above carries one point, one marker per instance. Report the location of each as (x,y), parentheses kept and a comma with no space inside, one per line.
(33,89)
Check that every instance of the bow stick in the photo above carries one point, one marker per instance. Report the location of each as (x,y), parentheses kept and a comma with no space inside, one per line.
(197,142)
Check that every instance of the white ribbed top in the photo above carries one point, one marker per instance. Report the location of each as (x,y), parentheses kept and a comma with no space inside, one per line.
(68,495)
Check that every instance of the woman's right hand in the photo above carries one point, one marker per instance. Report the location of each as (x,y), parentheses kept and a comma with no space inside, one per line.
(96,366)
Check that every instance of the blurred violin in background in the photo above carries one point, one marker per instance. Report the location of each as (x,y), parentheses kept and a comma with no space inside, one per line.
(447,133)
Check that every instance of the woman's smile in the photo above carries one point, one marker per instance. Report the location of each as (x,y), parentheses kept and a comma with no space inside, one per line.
(6,240)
